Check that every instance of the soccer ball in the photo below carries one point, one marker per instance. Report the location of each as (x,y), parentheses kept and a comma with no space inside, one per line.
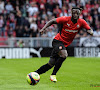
(33,78)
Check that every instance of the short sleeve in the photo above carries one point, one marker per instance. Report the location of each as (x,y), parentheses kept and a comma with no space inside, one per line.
(61,20)
(85,25)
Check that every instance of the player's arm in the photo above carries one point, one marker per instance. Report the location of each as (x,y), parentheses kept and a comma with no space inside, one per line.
(87,27)
(49,23)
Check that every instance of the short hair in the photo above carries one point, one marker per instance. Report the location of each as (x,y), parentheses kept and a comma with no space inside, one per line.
(77,8)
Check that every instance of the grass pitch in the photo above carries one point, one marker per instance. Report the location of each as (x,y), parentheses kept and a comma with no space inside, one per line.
(75,74)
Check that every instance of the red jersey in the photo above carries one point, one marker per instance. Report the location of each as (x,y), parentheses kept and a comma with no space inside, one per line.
(69,29)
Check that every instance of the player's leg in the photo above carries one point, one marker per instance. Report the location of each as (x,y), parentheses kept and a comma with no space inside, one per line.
(43,69)
(62,56)
(61,51)
(49,65)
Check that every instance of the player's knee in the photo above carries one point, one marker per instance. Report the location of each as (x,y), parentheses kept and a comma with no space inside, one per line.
(64,54)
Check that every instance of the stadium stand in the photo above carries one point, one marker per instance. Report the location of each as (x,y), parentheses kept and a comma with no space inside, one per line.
(24,18)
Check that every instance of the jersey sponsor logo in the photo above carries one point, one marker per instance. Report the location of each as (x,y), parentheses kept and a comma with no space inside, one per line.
(74,31)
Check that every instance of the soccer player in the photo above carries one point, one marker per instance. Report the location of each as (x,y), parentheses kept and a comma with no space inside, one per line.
(69,27)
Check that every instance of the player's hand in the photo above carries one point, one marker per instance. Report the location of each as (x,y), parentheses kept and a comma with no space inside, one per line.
(90,32)
(42,31)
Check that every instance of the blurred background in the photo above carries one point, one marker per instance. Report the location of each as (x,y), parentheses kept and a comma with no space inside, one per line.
(21,20)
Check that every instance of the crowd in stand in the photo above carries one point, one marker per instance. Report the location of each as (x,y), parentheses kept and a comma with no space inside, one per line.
(24,18)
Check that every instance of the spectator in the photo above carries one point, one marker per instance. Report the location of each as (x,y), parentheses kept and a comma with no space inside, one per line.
(44,35)
(82,2)
(11,32)
(9,7)
(81,34)
(6,31)
(55,3)
(85,12)
(1,6)
(20,43)
(72,4)
(57,11)
(60,3)
(25,22)
(38,21)
(46,19)
(23,10)
(19,19)
(32,9)
(88,6)
(19,31)
(33,33)
(42,5)
(20,14)
(95,19)
(50,32)
(42,24)
(2,30)
(12,20)
(99,9)
(97,33)
(49,13)
(33,25)
(26,32)
(55,29)
(44,14)
(64,12)
(49,5)
(89,17)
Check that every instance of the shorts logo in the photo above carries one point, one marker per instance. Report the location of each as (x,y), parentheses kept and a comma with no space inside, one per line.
(60,47)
